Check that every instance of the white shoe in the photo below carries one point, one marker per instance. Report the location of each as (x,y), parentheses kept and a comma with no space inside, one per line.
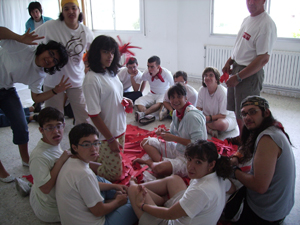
(8,179)
(25,164)
(22,187)
(163,113)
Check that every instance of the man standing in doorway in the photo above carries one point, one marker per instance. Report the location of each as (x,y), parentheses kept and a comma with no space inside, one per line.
(251,52)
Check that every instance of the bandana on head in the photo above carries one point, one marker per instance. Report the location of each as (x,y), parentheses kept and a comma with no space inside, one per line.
(63,2)
(255,100)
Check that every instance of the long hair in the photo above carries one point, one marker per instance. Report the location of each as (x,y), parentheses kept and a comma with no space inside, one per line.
(248,137)
(207,151)
(63,55)
(107,43)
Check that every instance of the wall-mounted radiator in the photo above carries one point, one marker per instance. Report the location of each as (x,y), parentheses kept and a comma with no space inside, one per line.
(282,72)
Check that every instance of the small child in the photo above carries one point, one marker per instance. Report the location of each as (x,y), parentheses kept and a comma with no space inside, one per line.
(46,160)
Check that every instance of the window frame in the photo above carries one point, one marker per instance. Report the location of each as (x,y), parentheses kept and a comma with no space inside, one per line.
(267,9)
(89,20)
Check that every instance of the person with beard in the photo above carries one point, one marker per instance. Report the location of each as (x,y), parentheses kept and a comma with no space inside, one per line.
(160,79)
(270,185)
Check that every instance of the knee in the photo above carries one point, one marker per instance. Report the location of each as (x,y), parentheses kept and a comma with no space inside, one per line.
(160,170)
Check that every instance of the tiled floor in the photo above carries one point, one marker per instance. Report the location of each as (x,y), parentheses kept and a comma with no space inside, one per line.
(16,210)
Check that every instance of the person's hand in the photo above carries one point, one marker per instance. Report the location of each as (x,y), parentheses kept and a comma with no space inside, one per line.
(160,130)
(234,161)
(140,196)
(134,73)
(63,85)
(115,146)
(64,157)
(29,38)
(226,69)
(121,199)
(121,188)
(129,101)
(167,136)
(232,81)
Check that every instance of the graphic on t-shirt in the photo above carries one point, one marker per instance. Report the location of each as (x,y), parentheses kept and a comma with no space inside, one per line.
(74,47)
(246,36)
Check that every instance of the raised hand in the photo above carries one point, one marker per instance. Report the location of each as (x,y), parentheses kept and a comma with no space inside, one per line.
(63,85)
(29,38)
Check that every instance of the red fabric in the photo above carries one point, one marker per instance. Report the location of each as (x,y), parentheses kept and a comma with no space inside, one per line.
(158,75)
(29,178)
(180,116)
(124,49)
(125,103)
(224,77)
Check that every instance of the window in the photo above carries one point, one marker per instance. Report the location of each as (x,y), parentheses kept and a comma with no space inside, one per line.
(227,16)
(116,15)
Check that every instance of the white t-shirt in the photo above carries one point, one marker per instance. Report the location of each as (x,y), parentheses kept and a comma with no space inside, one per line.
(104,94)
(191,95)
(157,86)
(17,65)
(124,77)
(42,160)
(257,36)
(215,104)
(204,200)
(76,42)
(77,190)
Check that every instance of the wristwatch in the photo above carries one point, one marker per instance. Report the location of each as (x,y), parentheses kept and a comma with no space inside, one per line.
(238,77)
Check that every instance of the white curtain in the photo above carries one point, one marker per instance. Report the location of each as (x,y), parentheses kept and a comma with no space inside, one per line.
(14,13)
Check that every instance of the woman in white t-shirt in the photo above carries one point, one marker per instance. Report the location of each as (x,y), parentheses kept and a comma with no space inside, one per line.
(103,92)
(201,203)
(212,100)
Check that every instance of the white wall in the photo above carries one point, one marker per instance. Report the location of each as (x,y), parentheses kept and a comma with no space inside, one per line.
(177,30)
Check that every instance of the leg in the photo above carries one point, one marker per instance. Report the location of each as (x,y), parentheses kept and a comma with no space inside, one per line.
(12,108)
(133,95)
(3,172)
(153,108)
(219,125)
(57,101)
(78,105)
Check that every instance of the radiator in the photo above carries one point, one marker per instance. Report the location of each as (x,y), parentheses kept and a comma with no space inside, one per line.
(281,72)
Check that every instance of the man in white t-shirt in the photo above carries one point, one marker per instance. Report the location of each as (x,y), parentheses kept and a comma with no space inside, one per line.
(131,78)
(192,95)
(46,160)
(251,52)
(160,79)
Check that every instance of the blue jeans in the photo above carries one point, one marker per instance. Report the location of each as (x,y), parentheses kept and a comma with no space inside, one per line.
(11,106)
(123,215)
(4,122)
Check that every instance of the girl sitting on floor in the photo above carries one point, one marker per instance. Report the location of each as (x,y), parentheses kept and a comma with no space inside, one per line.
(202,202)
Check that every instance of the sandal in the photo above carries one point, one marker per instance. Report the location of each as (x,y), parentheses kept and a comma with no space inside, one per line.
(147,119)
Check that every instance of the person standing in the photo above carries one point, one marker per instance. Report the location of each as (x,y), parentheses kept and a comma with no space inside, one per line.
(77,39)
(36,18)
(251,52)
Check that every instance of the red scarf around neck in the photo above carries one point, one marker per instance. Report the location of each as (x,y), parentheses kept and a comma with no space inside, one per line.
(180,116)
(159,75)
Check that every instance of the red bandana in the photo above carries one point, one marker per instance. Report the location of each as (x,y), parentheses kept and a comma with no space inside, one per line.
(180,116)
(159,75)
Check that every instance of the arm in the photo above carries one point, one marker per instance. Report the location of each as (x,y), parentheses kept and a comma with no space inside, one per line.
(46,188)
(135,85)
(214,117)
(117,187)
(172,137)
(226,68)
(172,213)
(256,65)
(102,209)
(62,86)
(99,123)
(143,85)
(264,163)
(27,38)
(168,106)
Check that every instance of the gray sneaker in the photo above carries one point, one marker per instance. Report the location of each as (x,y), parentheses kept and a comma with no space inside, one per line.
(22,187)
(163,113)
(139,115)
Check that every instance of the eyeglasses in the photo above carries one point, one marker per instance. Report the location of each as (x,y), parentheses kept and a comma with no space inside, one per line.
(251,112)
(89,145)
(58,127)
(52,55)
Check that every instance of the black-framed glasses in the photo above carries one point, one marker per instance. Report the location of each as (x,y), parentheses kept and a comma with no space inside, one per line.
(89,145)
(251,112)
(58,127)
(52,55)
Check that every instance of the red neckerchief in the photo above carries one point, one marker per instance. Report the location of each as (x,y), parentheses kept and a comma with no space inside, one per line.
(159,75)
(180,116)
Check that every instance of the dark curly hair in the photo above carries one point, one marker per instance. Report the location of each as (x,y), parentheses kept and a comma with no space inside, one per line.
(207,151)
(80,131)
(63,55)
(211,69)
(107,43)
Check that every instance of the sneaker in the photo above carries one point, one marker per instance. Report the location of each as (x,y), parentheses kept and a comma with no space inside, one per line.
(139,115)
(163,113)
(8,179)
(147,119)
(25,164)
(22,187)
